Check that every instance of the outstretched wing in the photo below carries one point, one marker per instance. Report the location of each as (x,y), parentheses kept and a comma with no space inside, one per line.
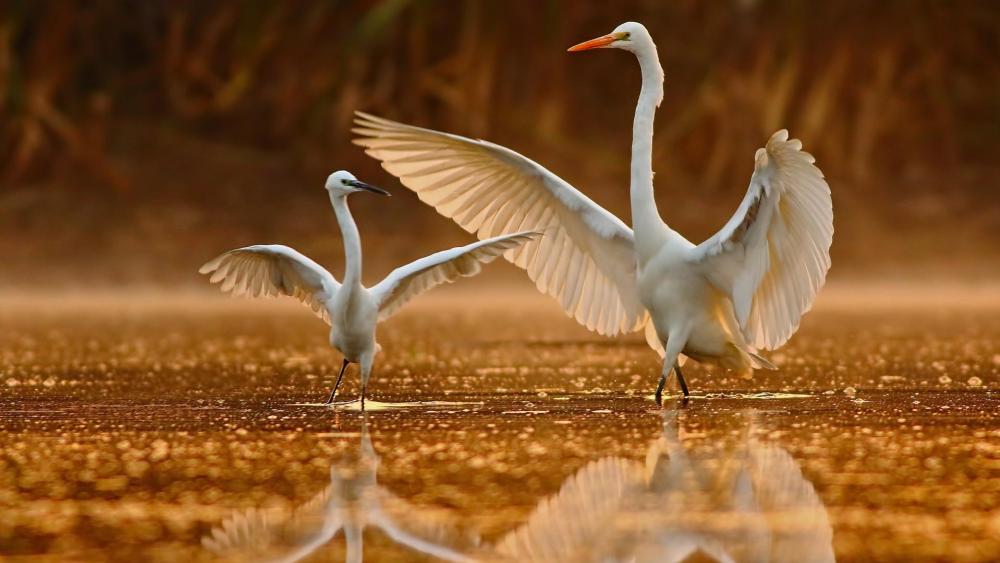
(772,256)
(265,270)
(586,259)
(406,282)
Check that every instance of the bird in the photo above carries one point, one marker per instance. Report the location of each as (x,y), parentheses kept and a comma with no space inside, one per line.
(741,501)
(720,302)
(352,502)
(352,310)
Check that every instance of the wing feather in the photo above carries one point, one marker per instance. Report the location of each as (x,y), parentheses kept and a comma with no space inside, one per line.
(406,282)
(772,256)
(489,189)
(265,270)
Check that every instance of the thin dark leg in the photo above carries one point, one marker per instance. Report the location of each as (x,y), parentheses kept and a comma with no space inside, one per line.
(337,385)
(363,389)
(659,388)
(680,379)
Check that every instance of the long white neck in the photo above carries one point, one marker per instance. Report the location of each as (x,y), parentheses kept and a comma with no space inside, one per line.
(352,241)
(646,220)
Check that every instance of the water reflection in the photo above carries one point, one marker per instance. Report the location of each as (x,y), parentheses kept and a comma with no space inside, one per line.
(352,502)
(746,501)
(738,498)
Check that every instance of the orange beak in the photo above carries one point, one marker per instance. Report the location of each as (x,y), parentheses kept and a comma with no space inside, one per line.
(597,43)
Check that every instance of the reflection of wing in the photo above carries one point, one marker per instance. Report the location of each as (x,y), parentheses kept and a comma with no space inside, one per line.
(748,503)
(797,518)
(582,515)
(406,282)
(424,529)
(276,535)
(353,501)
(586,259)
(252,530)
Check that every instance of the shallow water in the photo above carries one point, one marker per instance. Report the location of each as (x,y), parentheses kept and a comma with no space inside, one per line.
(155,429)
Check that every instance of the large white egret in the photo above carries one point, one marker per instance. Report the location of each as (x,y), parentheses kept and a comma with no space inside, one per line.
(351,309)
(742,290)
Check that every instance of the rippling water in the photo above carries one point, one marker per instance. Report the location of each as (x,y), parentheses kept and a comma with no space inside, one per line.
(165,427)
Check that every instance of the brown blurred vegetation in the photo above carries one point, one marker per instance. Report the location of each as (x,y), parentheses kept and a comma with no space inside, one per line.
(139,138)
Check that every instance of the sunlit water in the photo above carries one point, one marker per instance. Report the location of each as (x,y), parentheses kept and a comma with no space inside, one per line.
(194,429)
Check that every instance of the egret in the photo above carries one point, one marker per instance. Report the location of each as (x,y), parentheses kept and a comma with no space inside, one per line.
(742,290)
(351,309)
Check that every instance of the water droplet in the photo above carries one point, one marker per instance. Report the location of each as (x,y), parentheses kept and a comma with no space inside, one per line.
(850,391)
(975,381)
(944,380)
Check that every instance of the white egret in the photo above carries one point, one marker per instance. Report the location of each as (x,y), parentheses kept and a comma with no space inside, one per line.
(742,290)
(351,309)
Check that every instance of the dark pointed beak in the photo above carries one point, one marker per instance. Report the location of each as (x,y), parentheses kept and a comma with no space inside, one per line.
(368,187)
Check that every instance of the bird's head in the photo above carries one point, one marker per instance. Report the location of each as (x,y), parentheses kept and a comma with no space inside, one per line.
(629,36)
(343,183)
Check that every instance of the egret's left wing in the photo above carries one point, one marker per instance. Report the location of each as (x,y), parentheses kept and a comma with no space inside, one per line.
(406,282)
(772,256)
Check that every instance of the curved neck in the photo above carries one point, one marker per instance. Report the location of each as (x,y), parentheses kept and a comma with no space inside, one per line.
(352,241)
(645,217)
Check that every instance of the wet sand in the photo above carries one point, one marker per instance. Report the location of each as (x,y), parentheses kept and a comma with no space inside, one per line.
(168,427)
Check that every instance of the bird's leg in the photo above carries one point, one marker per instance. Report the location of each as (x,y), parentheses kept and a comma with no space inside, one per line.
(680,379)
(366,374)
(659,388)
(672,349)
(337,385)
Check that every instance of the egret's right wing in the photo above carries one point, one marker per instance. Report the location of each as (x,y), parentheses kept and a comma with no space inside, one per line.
(586,259)
(264,270)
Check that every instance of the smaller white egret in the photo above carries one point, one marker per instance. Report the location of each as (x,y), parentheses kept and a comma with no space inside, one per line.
(351,310)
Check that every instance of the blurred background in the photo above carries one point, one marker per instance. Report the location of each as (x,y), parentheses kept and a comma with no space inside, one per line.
(139,139)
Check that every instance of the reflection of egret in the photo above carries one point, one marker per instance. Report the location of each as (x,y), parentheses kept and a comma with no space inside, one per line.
(352,502)
(351,309)
(750,503)
(743,289)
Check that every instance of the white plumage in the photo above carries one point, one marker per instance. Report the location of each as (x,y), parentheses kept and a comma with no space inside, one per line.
(744,289)
(269,270)
(351,310)
(585,260)
(771,258)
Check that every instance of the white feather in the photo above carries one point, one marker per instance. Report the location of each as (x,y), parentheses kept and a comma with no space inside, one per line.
(489,189)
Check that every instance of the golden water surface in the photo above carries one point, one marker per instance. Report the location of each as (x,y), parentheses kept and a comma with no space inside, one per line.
(156,427)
